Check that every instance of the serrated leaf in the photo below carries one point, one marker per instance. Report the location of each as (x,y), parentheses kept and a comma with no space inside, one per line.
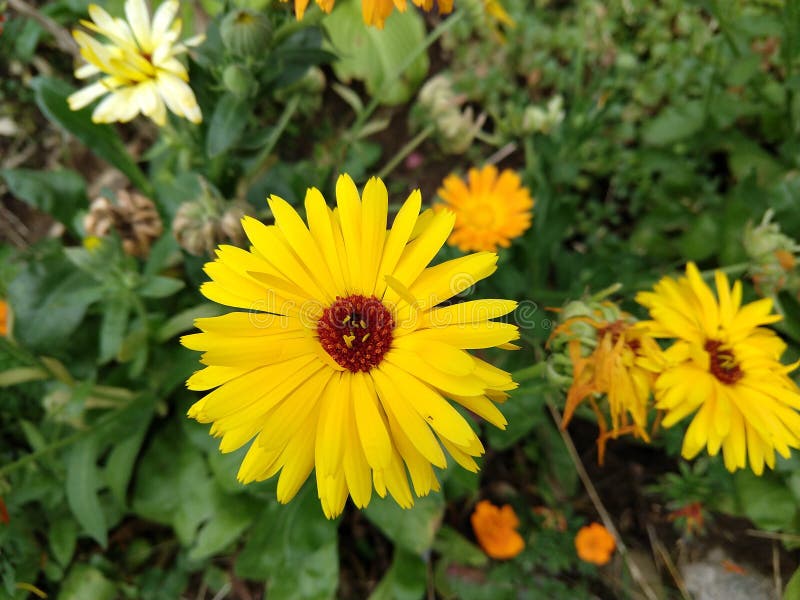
(82,486)
(103,140)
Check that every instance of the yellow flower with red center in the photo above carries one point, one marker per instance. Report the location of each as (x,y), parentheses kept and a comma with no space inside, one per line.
(611,368)
(595,544)
(138,65)
(496,530)
(343,360)
(491,208)
(725,368)
(375,12)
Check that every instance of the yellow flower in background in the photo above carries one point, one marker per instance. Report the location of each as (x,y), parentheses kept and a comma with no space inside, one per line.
(137,63)
(491,209)
(495,528)
(725,368)
(375,12)
(342,361)
(611,368)
(595,544)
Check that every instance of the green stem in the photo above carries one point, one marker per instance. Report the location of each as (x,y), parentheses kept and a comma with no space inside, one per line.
(736,269)
(406,150)
(431,39)
(528,373)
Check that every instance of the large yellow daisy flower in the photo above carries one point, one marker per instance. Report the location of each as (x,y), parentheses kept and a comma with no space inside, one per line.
(342,359)
(724,366)
(375,12)
(139,66)
(491,208)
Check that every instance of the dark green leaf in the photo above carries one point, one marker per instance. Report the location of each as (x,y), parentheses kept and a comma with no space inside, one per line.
(454,547)
(164,253)
(674,123)
(232,515)
(85,582)
(122,459)
(58,193)
(83,484)
(766,500)
(51,96)
(227,124)
(63,539)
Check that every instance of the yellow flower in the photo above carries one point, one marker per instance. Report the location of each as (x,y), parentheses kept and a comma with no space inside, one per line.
(341,360)
(491,210)
(612,369)
(138,64)
(375,12)
(495,529)
(595,544)
(724,366)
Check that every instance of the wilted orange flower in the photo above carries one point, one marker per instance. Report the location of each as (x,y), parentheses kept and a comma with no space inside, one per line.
(612,369)
(595,544)
(375,12)
(491,208)
(495,527)
(3,317)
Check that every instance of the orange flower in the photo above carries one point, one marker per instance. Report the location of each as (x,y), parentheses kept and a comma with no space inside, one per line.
(3,317)
(595,544)
(612,368)
(495,528)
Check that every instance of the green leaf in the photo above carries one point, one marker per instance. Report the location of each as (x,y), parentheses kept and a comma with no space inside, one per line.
(50,299)
(454,547)
(112,328)
(122,458)
(792,591)
(161,287)
(173,485)
(294,549)
(83,483)
(412,530)
(85,582)
(765,500)
(405,579)
(63,539)
(184,320)
(22,375)
(376,55)
(103,140)
(674,124)
(58,193)
(233,514)
(227,124)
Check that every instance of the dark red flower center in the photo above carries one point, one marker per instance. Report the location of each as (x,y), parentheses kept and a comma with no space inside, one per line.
(722,362)
(356,331)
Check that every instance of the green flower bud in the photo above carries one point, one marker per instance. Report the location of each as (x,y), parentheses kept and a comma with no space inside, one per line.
(239,81)
(246,32)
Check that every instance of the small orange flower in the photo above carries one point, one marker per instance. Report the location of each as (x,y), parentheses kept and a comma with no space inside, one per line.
(595,544)
(3,317)
(491,208)
(495,528)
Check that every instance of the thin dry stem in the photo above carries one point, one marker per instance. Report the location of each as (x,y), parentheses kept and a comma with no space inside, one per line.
(660,553)
(63,39)
(605,517)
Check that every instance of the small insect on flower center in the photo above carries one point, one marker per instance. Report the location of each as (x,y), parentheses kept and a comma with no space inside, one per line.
(356,331)
(722,362)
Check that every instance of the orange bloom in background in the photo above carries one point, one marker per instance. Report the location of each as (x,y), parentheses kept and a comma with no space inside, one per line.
(491,208)
(612,369)
(595,544)
(375,12)
(495,527)
(3,317)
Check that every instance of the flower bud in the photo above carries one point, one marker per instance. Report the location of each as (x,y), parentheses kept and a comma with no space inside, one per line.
(245,32)
(132,216)
(773,259)
(440,106)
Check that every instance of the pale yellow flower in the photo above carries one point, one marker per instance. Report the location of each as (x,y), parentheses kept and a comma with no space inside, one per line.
(138,64)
